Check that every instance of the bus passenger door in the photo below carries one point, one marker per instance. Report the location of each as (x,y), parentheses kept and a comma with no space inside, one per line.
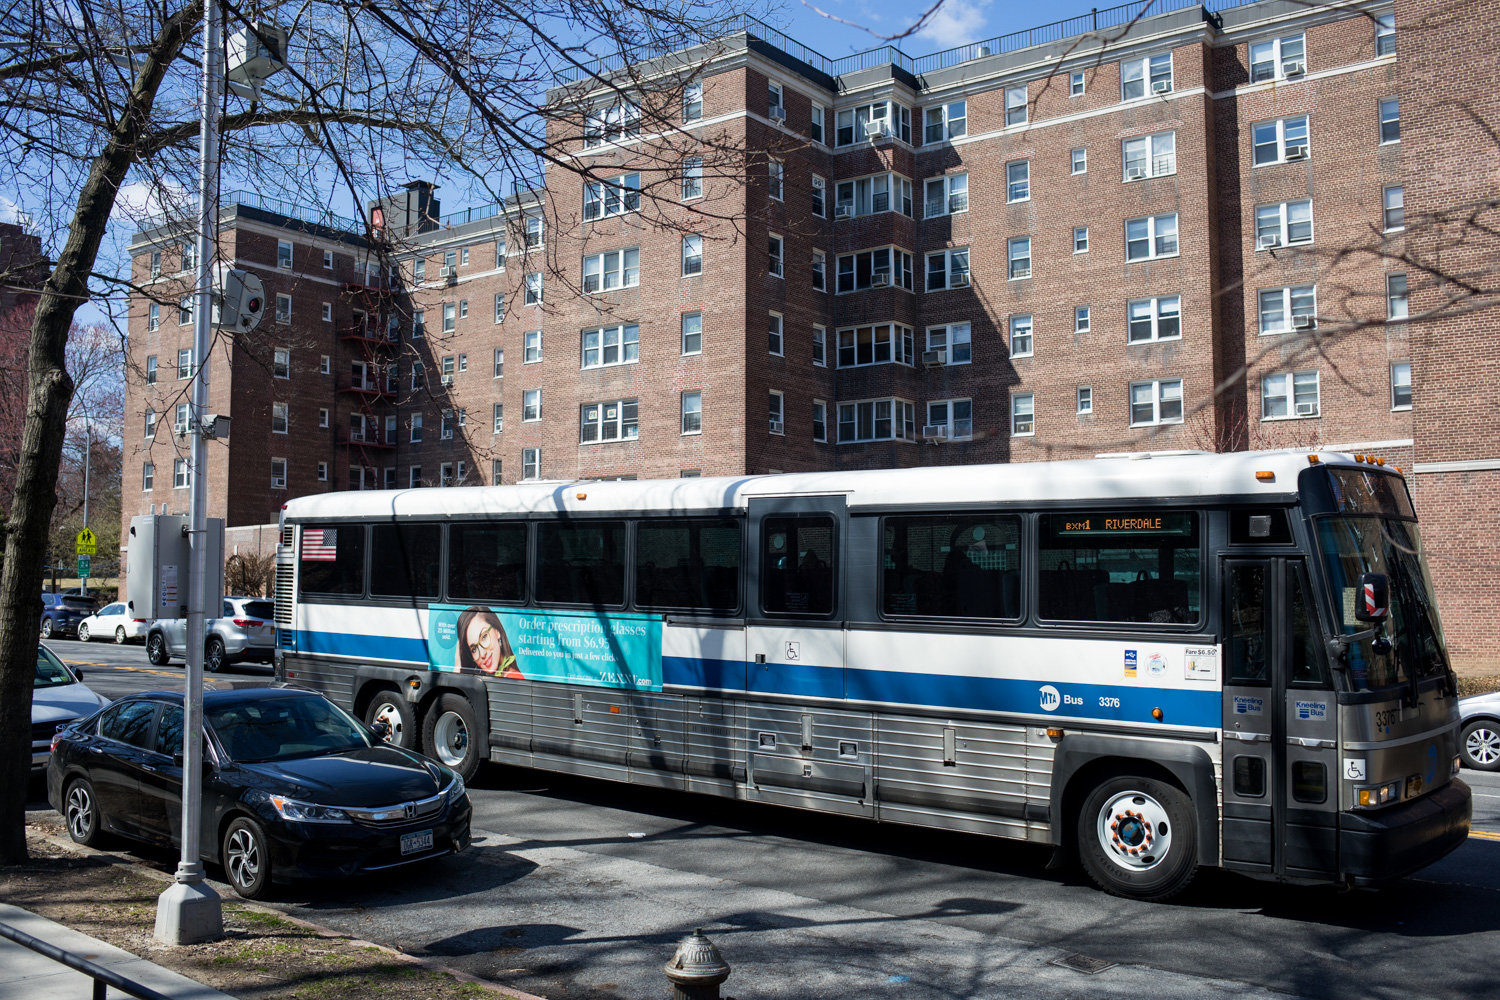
(1280,726)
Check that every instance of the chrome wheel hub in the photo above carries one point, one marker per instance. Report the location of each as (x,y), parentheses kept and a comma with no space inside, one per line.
(450,739)
(1134,831)
(80,812)
(242,858)
(1483,745)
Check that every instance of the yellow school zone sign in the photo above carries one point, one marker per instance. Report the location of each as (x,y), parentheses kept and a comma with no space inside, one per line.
(87,542)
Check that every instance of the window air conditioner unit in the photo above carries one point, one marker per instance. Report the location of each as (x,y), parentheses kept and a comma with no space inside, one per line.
(935,432)
(1135,173)
(875,130)
(1268,241)
(447,380)
(962,280)
(1307,409)
(448,270)
(776,427)
(844,211)
(880,280)
(1161,87)
(935,358)
(1304,323)
(1020,272)
(1295,67)
(1296,152)
(778,115)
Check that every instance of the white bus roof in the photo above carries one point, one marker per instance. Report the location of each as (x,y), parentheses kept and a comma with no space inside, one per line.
(1132,476)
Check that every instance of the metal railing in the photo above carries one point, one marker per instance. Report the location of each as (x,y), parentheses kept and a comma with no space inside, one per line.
(102,977)
(290,209)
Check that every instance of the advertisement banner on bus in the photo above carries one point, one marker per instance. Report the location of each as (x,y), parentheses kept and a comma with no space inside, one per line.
(599,650)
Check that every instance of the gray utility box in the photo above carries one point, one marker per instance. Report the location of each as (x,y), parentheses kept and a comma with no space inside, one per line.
(159,557)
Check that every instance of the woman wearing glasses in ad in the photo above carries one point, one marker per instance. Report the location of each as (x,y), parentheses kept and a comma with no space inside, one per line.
(483,646)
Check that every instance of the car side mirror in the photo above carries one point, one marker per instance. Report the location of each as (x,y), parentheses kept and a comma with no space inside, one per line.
(1372,603)
(78,672)
(380,730)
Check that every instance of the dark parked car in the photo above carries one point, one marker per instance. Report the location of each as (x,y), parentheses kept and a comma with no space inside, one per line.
(61,613)
(293,787)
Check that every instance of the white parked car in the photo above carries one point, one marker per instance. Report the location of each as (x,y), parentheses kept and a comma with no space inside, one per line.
(58,696)
(1479,722)
(113,622)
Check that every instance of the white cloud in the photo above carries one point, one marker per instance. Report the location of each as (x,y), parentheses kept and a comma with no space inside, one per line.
(10,211)
(140,202)
(957,22)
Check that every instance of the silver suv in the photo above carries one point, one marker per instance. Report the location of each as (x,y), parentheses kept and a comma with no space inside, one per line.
(245,631)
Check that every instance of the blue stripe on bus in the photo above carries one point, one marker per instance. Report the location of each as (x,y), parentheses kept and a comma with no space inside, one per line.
(374,647)
(690,671)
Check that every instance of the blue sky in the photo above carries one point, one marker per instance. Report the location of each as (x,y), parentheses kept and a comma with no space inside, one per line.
(957,22)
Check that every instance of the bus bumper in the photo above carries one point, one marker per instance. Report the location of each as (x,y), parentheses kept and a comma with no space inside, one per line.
(1377,847)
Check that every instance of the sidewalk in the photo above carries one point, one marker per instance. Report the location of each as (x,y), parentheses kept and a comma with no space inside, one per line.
(26,975)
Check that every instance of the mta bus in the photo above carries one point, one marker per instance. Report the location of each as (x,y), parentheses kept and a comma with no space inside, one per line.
(1158,662)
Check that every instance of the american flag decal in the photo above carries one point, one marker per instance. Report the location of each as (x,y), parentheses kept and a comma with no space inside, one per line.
(320,544)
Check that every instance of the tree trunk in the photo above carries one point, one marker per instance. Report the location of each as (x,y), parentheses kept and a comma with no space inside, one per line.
(49,391)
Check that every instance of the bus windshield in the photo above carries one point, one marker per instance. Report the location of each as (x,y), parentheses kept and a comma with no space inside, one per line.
(1351,545)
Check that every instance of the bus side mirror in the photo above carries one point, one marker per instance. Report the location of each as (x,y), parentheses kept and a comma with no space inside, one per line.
(1373,601)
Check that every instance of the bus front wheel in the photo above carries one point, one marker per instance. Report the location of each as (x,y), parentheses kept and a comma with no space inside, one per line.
(401,727)
(449,732)
(1138,838)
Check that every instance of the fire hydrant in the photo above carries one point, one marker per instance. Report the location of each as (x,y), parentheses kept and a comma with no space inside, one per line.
(697,969)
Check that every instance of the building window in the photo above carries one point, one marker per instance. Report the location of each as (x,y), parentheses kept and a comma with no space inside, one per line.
(414,477)
(328,260)
(416,428)
(1390,121)
(872,121)
(953,341)
(950,420)
(419,269)
(150,423)
(151,369)
(1082,319)
(1085,399)
(500,250)
(531,406)
(1150,156)
(1075,83)
(877,420)
(1284,224)
(153,316)
(1146,75)
(1080,239)
(450,317)
(445,474)
(445,425)
(819,191)
(534,231)
(1015,105)
(1079,160)
(447,367)
(418,324)
(1395,208)
(776,411)
(1156,402)
(1289,395)
(185,311)
(1022,414)
(1401,385)
(499,307)
(278,418)
(946,121)
(819,271)
(774,334)
(533,293)
(148,476)
(1280,140)
(283,308)
(775,106)
(531,347)
(1020,337)
(615,196)
(494,472)
(775,179)
(692,255)
(606,346)
(820,347)
(450,261)
(323,416)
(611,421)
(278,473)
(879,344)
(328,312)
(692,413)
(284,254)
(1151,237)
(1155,319)
(692,178)
(817,115)
(1385,35)
(531,463)
(692,105)
(948,269)
(322,472)
(820,420)
(180,422)
(185,363)
(611,270)
(1019,258)
(947,195)
(872,195)
(499,362)
(1278,58)
(775,265)
(1018,181)
(877,269)
(418,375)
(179,474)
(1283,310)
(1396,304)
(156,263)
(692,333)
(189,258)
(498,415)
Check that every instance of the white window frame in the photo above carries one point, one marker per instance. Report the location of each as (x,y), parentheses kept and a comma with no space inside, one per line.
(1157,311)
(897,267)
(776,413)
(450,317)
(1290,390)
(610,346)
(1017,251)
(900,416)
(185,363)
(1017,181)
(534,233)
(499,370)
(692,178)
(1286,304)
(820,421)
(328,312)
(531,347)
(180,478)
(611,123)
(1084,399)
(283,308)
(323,416)
(1385,35)
(691,412)
(776,179)
(280,415)
(1021,335)
(281,363)
(414,477)
(1293,130)
(610,197)
(692,102)
(775,256)
(945,122)
(1397,297)
(499,307)
(817,123)
(955,428)
(1166,395)
(776,334)
(955,340)
(692,255)
(819,271)
(1401,378)
(1077,84)
(869,344)
(775,100)
(856,197)
(531,406)
(1396,211)
(945,195)
(1145,73)
(1280,220)
(1278,54)
(855,125)
(1393,120)
(612,270)
(497,418)
(952,269)
(1145,156)
(533,293)
(148,476)
(1017,106)
(180,415)
(820,347)
(150,424)
(595,426)
(322,472)
(415,425)
(284,254)
(531,463)
(1078,161)
(818,190)
(1023,414)
(1156,234)
(153,316)
(1080,239)
(278,482)
(1083,319)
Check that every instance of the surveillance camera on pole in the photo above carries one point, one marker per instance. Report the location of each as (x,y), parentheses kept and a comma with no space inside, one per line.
(239,299)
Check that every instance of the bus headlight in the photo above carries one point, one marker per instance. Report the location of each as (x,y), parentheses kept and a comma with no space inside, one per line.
(1378,795)
(1457,763)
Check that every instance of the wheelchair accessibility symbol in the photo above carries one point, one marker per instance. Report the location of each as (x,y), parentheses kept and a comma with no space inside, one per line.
(793,652)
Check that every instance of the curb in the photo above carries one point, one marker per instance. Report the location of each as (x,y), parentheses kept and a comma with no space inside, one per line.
(400,956)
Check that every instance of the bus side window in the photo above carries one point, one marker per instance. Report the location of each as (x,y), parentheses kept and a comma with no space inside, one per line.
(1247,625)
(404,560)
(798,568)
(1308,669)
(332,559)
(487,562)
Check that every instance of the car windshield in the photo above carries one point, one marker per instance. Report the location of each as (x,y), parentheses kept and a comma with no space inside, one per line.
(1354,545)
(50,671)
(78,602)
(284,728)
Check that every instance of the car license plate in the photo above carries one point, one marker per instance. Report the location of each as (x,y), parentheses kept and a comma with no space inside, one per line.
(411,843)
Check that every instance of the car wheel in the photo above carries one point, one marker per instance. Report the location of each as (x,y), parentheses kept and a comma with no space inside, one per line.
(449,733)
(1480,745)
(213,655)
(389,707)
(83,632)
(119,635)
(46,628)
(156,649)
(1137,837)
(81,811)
(247,858)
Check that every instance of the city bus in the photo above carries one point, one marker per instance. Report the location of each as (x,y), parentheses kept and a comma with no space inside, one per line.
(1155,662)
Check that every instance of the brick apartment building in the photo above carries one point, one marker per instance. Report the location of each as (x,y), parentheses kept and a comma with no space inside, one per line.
(23,266)
(1184,232)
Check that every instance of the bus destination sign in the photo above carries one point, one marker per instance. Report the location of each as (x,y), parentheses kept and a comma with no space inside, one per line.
(1124,524)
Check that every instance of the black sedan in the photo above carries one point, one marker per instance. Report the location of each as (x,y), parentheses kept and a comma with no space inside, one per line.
(292,786)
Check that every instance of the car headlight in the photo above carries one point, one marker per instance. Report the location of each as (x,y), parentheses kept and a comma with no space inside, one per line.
(456,790)
(307,812)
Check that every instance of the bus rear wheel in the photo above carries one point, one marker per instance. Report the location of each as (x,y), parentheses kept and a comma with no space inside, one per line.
(1138,838)
(449,733)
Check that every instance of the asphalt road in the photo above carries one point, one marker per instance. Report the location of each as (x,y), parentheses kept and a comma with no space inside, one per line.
(579,889)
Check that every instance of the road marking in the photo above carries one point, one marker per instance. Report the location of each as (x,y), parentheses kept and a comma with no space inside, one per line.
(121,666)
(1484,834)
